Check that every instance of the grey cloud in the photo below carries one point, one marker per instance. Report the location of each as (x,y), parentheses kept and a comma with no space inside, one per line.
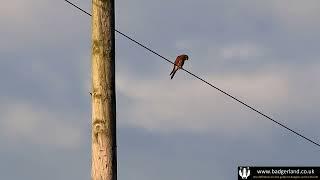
(193,105)
(37,125)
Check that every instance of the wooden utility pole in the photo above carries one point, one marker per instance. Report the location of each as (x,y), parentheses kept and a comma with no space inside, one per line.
(104,153)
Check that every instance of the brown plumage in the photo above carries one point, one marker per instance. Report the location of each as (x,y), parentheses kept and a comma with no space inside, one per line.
(178,63)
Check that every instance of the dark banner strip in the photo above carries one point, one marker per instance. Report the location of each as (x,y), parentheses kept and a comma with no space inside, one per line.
(278,172)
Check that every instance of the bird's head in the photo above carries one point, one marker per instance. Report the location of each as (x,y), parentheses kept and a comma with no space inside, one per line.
(186,57)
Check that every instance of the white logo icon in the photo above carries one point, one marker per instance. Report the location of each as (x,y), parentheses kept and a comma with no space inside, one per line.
(244,172)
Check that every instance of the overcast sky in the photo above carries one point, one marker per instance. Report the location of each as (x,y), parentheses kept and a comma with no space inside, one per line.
(266,53)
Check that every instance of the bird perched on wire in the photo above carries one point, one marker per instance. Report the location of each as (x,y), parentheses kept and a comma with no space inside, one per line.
(178,63)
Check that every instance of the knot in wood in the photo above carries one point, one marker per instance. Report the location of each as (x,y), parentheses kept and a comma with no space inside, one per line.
(99,127)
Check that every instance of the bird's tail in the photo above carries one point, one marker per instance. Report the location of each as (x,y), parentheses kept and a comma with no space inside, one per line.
(172,70)
(173,73)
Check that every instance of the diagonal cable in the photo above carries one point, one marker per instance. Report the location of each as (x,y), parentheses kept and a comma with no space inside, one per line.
(206,82)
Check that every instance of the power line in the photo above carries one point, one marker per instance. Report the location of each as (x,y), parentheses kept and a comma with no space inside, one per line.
(206,82)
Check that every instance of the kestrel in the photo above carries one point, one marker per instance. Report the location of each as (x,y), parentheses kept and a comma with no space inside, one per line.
(178,64)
